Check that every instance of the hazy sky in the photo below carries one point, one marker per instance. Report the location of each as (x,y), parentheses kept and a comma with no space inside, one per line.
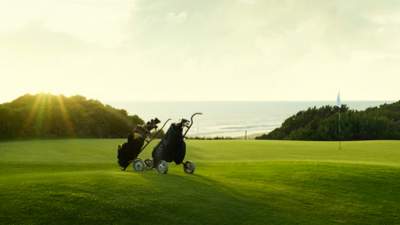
(201,49)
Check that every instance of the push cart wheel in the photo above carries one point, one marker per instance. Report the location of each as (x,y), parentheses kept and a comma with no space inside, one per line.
(149,164)
(189,167)
(162,167)
(138,165)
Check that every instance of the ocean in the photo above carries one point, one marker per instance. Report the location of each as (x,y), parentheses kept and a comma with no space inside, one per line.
(230,118)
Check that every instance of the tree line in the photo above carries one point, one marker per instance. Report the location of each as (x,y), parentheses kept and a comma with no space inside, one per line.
(375,123)
(58,116)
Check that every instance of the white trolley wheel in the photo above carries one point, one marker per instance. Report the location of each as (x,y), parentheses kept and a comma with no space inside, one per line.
(149,164)
(138,165)
(189,167)
(162,167)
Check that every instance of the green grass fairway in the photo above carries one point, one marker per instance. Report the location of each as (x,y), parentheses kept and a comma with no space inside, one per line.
(236,182)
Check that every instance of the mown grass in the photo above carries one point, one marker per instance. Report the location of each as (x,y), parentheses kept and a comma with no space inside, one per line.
(236,182)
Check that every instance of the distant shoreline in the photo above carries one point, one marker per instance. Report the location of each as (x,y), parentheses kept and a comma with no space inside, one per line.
(230,118)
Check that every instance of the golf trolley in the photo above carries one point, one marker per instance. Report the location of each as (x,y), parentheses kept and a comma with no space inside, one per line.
(171,148)
(138,140)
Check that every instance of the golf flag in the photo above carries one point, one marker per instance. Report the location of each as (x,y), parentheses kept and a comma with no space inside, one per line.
(339,104)
(338,101)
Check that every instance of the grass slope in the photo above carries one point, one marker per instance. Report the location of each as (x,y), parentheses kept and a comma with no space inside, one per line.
(237,182)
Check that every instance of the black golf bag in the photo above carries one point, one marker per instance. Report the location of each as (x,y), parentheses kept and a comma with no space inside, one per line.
(172,147)
(130,150)
(136,143)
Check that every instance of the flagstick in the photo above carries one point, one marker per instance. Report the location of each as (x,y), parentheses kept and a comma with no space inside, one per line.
(339,104)
(340,140)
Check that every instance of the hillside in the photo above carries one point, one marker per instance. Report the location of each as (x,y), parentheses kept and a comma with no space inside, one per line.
(375,123)
(52,116)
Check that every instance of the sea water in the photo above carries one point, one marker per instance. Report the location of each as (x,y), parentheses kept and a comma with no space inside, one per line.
(229,118)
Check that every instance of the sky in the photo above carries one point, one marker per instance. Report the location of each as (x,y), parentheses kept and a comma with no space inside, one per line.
(208,50)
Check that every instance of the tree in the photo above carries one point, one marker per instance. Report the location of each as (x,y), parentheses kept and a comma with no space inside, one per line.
(51,116)
(382,122)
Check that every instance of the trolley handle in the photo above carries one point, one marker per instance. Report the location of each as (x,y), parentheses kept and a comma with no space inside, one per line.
(191,122)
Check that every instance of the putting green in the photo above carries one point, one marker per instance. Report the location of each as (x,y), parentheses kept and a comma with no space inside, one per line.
(236,182)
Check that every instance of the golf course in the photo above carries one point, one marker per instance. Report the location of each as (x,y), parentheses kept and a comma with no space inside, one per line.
(77,181)
(237,112)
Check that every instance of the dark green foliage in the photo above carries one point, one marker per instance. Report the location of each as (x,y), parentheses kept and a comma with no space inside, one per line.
(51,116)
(377,123)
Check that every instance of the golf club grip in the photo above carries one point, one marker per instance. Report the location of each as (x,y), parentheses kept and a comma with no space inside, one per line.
(158,132)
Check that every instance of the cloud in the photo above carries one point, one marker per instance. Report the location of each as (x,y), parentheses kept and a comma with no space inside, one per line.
(288,49)
(37,39)
(270,45)
(101,22)
(177,17)
(248,2)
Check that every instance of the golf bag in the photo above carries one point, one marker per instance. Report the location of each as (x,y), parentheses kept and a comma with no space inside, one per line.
(172,147)
(136,143)
(129,150)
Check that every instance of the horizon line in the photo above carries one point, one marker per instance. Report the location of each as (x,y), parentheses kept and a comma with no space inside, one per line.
(196,100)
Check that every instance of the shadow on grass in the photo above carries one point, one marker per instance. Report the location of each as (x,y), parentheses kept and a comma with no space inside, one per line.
(125,198)
(287,194)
